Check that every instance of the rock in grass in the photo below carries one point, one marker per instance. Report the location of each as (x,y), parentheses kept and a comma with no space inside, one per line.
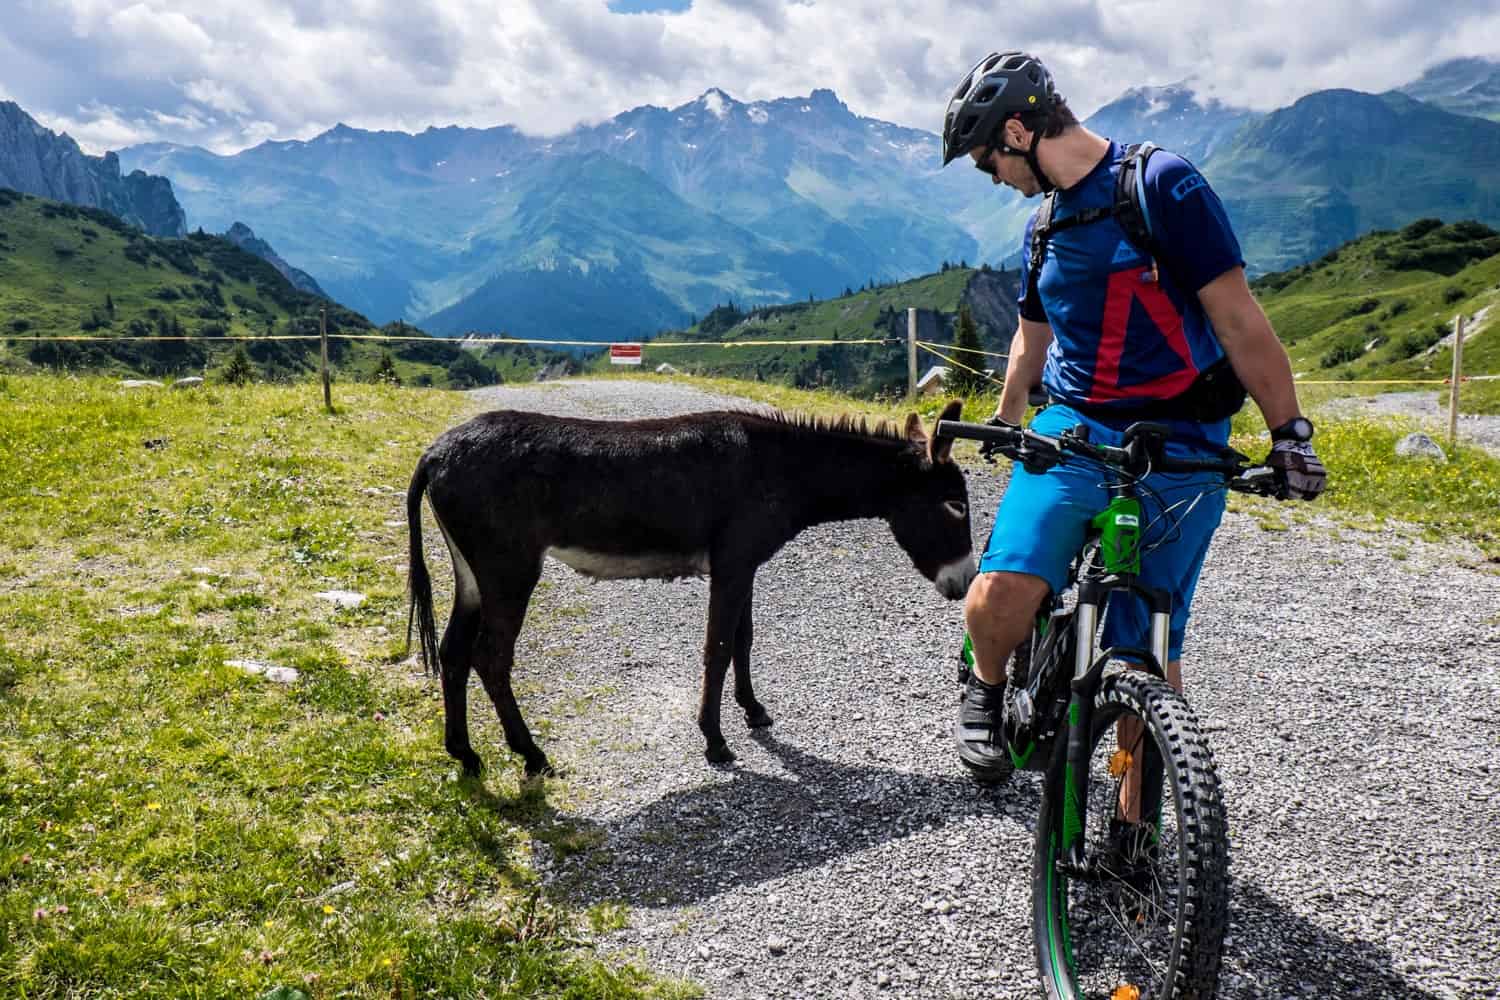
(1419,445)
(270,671)
(187,383)
(139,383)
(343,598)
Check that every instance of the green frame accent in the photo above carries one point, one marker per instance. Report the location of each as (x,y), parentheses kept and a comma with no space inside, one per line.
(1019,760)
(1057,917)
(1119,528)
(1072,824)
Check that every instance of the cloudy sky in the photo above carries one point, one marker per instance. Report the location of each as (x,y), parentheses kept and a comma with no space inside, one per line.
(116,72)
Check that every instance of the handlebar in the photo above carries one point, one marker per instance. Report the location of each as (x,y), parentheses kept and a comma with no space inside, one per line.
(1143,450)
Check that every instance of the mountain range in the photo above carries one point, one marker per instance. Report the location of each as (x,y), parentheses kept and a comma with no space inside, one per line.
(1465,86)
(654,217)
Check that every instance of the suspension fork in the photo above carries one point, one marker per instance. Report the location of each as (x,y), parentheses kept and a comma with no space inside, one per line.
(1074,777)
(1070,784)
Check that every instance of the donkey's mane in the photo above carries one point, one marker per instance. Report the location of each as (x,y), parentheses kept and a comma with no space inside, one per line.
(846,424)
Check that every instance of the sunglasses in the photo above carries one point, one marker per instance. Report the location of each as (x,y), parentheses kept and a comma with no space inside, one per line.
(985,164)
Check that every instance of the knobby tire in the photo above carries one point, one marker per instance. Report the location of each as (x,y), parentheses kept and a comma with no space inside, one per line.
(1196,877)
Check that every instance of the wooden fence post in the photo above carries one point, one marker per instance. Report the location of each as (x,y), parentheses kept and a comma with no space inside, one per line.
(911,353)
(323,340)
(1458,375)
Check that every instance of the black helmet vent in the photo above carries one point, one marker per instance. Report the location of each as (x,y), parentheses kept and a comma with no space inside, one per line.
(998,86)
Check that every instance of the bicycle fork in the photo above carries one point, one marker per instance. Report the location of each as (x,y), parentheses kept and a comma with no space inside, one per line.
(1074,776)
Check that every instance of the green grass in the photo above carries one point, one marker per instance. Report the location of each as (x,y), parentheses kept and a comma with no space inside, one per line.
(171,826)
(1377,307)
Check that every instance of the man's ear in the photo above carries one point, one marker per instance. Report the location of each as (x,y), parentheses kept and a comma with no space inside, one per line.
(940,447)
(1016,136)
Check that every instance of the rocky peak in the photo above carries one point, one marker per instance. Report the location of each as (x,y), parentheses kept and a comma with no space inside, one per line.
(244,237)
(38,161)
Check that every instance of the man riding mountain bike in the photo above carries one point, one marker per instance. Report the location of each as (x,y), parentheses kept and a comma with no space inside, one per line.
(1134,307)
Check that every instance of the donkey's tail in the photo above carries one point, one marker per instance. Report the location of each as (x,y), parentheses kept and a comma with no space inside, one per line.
(419,584)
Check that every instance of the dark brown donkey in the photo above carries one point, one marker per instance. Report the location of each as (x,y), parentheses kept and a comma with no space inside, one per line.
(713,494)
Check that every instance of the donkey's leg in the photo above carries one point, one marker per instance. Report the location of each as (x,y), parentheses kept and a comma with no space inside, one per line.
(755,713)
(455,655)
(727,593)
(502,624)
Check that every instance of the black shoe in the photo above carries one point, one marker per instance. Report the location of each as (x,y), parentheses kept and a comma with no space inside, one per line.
(978,731)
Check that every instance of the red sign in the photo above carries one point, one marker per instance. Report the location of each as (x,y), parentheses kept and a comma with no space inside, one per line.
(624,354)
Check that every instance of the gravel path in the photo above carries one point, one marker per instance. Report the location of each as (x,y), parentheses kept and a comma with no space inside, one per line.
(1431,408)
(1350,683)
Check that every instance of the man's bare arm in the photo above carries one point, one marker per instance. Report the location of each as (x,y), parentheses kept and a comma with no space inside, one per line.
(1248,339)
(1023,369)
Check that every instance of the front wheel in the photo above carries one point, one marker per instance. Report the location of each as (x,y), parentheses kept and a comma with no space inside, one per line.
(1146,918)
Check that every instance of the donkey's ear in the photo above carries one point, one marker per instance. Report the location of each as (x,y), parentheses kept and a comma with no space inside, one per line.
(914,432)
(940,448)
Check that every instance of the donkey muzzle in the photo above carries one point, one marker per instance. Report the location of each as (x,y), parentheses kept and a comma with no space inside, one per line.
(953,580)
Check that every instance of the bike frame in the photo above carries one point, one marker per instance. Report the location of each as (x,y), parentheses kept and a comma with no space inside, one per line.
(1119,531)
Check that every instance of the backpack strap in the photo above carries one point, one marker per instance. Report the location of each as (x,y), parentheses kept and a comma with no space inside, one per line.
(1042,231)
(1131,210)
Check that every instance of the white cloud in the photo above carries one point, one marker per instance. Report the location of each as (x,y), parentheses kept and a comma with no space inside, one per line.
(215,95)
(230,75)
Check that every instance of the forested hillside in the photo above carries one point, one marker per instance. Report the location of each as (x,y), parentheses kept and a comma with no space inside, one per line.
(72,272)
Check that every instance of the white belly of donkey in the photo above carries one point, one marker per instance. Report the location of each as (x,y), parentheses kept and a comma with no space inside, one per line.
(635,566)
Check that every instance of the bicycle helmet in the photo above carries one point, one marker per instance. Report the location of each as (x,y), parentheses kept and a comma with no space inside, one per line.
(1000,85)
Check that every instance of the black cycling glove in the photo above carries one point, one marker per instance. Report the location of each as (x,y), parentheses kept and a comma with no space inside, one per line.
(1299,472)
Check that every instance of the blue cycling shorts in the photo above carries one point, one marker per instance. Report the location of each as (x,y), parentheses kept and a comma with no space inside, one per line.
(1042,521)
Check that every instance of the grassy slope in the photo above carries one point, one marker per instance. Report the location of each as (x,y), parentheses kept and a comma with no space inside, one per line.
(1357,314)
(62,266)
(875,313)
(170,826)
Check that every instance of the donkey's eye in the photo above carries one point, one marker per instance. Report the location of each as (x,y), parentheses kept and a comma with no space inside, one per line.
(956,507)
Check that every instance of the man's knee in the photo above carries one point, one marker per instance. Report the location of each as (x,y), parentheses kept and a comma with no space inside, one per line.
(1005,594)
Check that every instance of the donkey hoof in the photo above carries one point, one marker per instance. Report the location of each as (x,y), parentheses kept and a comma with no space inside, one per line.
(719,753)
(539,768)
(470,764)
(758,717)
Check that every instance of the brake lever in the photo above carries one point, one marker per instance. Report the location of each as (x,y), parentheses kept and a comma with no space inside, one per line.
(1259,481)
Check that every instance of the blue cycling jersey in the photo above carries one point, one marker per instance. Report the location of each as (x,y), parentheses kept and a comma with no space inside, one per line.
(1123,331)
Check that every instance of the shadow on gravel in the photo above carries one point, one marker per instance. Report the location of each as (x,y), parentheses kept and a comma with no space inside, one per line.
(1284,955)
(693,845)
(690,846)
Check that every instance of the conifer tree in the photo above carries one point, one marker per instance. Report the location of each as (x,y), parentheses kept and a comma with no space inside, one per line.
(966,340)
(238,370)
(386,370)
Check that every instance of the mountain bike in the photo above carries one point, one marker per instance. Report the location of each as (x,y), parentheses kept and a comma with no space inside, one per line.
(1131,865)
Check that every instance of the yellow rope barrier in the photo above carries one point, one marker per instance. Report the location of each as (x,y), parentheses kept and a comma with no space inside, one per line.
(959,364)
(966,350)
(456,341)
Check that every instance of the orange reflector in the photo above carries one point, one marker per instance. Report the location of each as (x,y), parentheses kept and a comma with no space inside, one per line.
(1126,992)
(1119,763)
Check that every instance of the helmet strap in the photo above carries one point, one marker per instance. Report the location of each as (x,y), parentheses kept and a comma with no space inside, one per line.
(1036,164)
